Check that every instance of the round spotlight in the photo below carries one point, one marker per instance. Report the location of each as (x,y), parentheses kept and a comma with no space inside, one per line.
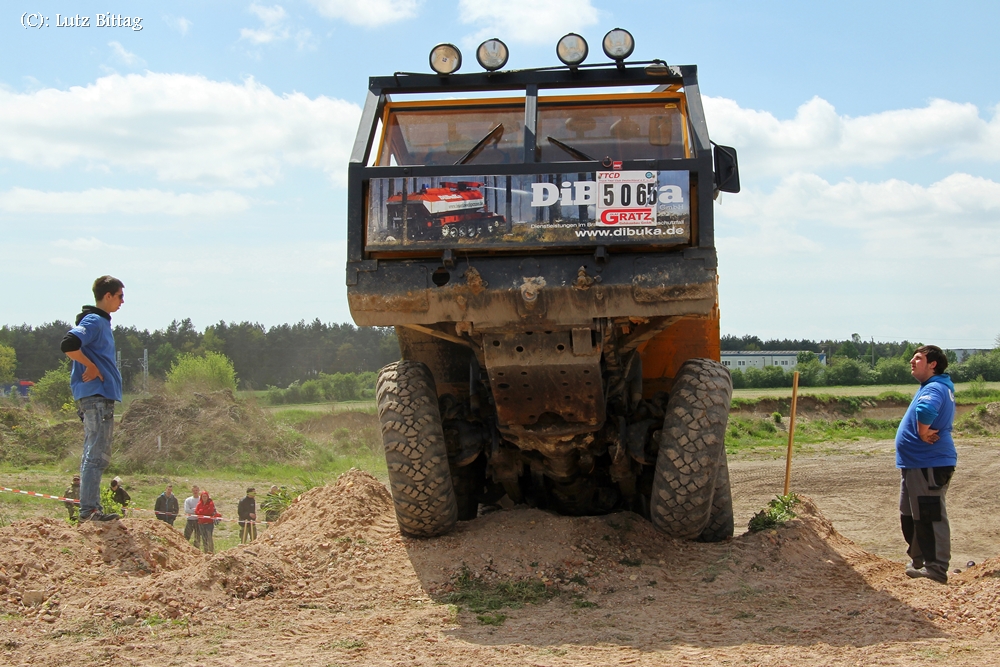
(572,49)
(618,44)
(446,59)
(492,54)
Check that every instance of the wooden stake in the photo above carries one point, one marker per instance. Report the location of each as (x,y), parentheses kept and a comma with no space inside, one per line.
(791,431)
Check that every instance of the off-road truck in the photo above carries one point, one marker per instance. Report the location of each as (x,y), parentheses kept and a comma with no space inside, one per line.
(542,241)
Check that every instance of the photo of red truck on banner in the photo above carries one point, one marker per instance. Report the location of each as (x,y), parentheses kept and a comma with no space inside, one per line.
(606,207)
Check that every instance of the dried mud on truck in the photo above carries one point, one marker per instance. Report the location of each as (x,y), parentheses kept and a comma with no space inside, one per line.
(546,255)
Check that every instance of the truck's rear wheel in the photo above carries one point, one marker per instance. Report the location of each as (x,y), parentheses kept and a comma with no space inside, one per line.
(415,450)
(720,523)
(691,451)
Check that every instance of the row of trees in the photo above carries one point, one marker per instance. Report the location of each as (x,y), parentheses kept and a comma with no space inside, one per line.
(852,348)
(292,355)
(262,357)
(845,371)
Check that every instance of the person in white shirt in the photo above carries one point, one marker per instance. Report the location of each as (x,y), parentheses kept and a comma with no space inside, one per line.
(191,525)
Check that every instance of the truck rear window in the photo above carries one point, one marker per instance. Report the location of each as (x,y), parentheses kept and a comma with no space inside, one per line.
(619,130)
(629,128)
(445,136)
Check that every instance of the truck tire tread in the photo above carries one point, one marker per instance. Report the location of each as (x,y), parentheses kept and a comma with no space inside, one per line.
(692,446)
(416,455)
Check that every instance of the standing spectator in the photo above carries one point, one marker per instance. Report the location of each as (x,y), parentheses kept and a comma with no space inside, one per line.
(166,505)
(97,385)
(191,525)
(207,517)
(73,491)
(272,512)
(119,494)
(926,457)
(247,514)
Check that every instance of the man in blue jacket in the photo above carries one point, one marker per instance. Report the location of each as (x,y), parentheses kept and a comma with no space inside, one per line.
(96,385)
(926,457)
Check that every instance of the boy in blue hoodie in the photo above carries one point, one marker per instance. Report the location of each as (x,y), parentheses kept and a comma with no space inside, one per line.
(96,385)
(926,457)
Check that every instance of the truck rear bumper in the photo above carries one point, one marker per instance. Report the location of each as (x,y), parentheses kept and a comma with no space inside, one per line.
(498,293)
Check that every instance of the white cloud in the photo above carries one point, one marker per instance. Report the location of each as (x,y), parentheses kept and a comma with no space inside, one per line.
(180,24)
(820,137)
(129,202)
(367,13)
(527,21)
(269,15)
(125,57)
(811,257)
(274,29)
(180,127)
(88,245)
(81,250)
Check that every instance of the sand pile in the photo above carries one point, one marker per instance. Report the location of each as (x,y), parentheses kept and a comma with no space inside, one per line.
(982,420)
(333,582)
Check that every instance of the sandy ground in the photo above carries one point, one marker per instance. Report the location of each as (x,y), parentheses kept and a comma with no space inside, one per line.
(333,583)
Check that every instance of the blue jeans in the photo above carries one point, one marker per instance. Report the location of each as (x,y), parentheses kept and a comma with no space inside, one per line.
(98,415)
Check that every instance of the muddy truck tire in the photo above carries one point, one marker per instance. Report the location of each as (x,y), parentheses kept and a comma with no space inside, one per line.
(692,452)
(415,450)
(720,523)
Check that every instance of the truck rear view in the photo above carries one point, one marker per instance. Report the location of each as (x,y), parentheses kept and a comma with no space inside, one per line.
(543,243)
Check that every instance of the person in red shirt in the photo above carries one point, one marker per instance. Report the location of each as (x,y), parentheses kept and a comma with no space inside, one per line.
(207,516)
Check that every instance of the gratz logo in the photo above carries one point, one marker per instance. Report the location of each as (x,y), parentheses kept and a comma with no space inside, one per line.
(614,216)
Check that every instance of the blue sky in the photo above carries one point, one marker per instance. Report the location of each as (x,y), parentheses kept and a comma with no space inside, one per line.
(202,159)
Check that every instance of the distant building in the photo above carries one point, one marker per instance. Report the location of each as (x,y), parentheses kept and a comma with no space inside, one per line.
(963,354)
(785,359)
(21,387)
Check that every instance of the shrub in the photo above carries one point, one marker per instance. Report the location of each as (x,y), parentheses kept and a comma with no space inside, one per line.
(326,387)
(767,377)
(778,511)
(811,372)
(892,370)
(739,381)
(8,363)
(848,373)
(311,391)
(986,365)
(211,372)
(53,389)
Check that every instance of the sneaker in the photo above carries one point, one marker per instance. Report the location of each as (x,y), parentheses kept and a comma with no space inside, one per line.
(99,516)
(917,563)
(924,573)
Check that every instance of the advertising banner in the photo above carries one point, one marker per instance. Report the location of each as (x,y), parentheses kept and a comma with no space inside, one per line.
(602,208)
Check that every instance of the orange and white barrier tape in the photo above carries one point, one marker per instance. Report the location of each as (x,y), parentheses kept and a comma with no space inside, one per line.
(130,509)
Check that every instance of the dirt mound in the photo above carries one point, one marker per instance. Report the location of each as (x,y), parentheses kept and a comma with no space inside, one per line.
(26,437)
(982,420)
(41,557)
(213,428)
(333,582)
(822,407)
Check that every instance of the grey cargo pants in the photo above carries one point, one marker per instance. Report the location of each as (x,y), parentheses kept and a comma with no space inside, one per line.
(924,517)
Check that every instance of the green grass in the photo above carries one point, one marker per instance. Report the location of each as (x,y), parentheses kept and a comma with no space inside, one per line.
(906,390)
(744,433)
(777,512)
(328,406)
(488,597)
(977,397)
